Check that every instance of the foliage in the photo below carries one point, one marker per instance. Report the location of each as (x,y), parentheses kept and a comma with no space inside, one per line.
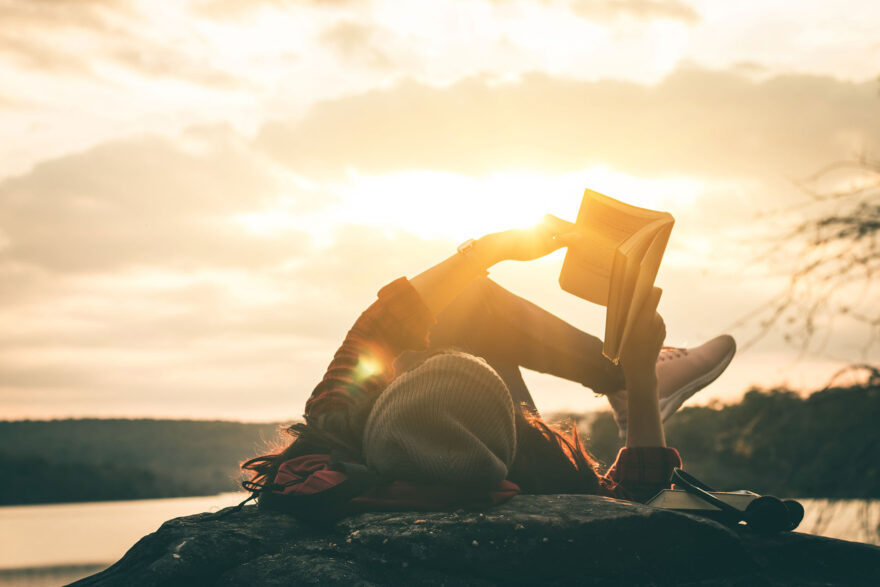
(85,460)
(35,480)
(775,441)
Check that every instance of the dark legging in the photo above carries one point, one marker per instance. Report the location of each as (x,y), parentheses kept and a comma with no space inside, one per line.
(510,332)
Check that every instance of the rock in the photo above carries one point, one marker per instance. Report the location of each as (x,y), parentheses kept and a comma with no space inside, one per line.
(547,540)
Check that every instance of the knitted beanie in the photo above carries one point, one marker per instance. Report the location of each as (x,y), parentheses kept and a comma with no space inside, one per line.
(448,421)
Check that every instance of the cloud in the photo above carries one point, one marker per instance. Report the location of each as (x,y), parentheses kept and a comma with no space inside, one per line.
(63,14)
(31,31)
(72,37)
(8,102)
(162,62)
(38,55)
(142,201)
(138,339)
(610,10)
(119,272)
(225,9)
(318,297)
(354,42)
(695,121)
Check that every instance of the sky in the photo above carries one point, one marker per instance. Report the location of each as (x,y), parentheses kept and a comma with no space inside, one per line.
(197,198)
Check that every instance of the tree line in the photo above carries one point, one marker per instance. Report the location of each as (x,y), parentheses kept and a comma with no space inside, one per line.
(825,445)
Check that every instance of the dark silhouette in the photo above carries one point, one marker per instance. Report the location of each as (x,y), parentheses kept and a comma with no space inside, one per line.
(95,460)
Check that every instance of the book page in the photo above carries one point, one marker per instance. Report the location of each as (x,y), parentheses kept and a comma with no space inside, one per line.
(606,223)
(646,273)
(682,500)
(624,275)
(621,281)
(650,305)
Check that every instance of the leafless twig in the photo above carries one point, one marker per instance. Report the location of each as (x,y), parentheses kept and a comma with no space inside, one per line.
(840,251)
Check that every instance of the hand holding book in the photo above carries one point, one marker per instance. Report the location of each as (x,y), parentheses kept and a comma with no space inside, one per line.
(525,244)
(615,261)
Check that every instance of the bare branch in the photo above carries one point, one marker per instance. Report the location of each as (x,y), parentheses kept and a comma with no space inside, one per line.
(840,250)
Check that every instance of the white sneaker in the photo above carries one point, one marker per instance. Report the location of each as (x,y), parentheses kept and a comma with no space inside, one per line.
(680,374)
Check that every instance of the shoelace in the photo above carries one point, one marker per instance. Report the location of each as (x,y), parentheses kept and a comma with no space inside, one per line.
(671,352)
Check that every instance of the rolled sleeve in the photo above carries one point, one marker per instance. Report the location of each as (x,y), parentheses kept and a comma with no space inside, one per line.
(639,473)
(361,368)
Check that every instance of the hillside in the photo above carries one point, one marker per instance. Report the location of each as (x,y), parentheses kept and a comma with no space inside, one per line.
(93,460)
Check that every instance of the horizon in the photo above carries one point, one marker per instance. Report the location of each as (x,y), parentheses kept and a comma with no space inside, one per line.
(197,199)
(602,406)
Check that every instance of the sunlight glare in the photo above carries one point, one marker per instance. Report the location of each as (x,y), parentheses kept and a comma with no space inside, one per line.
(434,204)
(367,367)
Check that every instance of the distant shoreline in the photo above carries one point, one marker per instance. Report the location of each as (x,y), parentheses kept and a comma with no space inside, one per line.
(778,442)
(97,460)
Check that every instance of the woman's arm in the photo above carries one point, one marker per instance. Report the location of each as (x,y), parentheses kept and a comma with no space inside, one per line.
(638,359)
(440,284)
(645,425)
(645,466)
(400,319)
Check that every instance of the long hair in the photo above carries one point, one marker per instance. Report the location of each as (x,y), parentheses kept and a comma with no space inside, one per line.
(549,461)
(307,440)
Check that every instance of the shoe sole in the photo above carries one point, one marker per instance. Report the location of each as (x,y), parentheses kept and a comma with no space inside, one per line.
(674,401)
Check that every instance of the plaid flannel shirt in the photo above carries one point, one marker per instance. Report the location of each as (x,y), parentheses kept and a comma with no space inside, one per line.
(363,367)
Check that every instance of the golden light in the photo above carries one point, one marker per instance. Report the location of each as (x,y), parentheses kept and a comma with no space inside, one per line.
(367,367)
(443,205)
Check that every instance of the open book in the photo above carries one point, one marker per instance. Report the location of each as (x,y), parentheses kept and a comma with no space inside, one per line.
(678,499)
(617,263)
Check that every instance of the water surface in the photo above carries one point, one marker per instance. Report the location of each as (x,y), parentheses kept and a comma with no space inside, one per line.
(58,543)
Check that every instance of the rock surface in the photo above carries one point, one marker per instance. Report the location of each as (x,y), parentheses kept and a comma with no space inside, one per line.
(546,540)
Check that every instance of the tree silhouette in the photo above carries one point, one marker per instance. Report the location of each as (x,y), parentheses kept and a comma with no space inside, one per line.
(834,249)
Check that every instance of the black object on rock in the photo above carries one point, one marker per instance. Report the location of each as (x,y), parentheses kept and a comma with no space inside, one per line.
(530,540)
(766,513)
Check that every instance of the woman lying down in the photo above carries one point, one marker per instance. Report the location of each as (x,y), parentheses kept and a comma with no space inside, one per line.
(424,406)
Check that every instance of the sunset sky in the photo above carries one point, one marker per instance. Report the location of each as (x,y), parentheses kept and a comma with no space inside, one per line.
(198,198)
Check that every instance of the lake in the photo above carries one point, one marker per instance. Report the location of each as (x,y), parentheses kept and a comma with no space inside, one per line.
(58,543)
(46,545)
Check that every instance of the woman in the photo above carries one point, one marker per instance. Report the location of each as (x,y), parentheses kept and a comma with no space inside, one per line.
(426,389)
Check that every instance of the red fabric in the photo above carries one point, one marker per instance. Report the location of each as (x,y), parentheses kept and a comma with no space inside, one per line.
(307,475)
(311,474)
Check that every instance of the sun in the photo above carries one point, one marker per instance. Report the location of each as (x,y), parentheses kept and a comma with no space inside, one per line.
(433,204)
(439,205)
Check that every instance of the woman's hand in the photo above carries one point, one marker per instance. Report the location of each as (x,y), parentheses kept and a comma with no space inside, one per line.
(439,284)
(526,244)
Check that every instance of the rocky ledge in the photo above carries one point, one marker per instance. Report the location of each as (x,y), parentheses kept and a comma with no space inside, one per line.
(546,540)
